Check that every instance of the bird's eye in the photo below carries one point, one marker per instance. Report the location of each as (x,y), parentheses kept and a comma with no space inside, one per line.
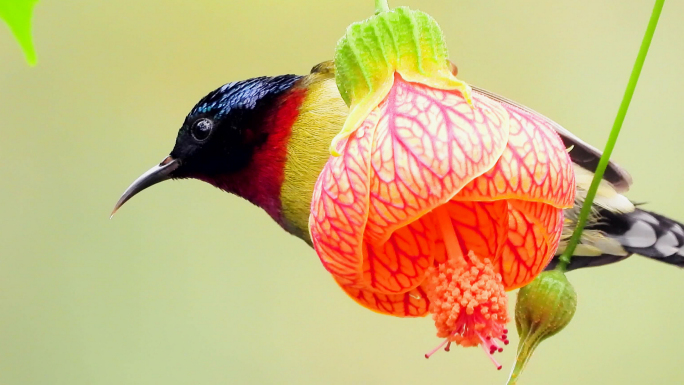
(201,129)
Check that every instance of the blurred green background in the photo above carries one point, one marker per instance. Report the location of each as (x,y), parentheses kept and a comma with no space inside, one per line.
(189,285)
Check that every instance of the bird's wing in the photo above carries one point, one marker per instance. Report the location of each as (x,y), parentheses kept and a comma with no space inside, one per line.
(582,153)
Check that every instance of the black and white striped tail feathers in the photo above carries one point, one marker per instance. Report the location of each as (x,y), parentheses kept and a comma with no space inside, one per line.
(638,232)
(646,233)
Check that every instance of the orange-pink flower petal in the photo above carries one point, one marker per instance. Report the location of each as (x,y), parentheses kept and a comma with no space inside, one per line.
(339,209)
(428,144)
(534,230)
(534,166)
(413,303)
(400,263)
(480,227)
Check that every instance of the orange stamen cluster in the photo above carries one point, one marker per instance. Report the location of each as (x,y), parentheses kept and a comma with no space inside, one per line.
(471,297)
(467,298)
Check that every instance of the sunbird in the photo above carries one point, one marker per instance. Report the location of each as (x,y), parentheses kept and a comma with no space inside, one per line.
(267,139)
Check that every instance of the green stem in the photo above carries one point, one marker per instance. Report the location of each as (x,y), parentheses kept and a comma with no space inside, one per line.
(612,139)
(527,346)
(381,6)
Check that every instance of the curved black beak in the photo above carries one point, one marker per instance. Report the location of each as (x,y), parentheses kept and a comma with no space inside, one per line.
(156,174)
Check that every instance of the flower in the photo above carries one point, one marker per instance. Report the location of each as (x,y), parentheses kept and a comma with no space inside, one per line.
(438,199)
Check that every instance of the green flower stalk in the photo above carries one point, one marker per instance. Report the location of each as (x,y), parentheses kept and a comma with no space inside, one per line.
(612,139)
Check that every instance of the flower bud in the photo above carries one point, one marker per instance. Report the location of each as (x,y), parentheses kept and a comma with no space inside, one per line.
(544,307)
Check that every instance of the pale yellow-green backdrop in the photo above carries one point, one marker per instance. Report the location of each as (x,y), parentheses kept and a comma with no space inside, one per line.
(189,285)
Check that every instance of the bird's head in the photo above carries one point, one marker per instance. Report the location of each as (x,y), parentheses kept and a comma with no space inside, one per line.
(222,135)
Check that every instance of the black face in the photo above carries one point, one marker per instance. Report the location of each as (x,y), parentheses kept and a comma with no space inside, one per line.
(220,135)
(222,131)
(210,144)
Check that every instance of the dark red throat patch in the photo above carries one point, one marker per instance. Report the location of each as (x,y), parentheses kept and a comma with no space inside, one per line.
(261,181)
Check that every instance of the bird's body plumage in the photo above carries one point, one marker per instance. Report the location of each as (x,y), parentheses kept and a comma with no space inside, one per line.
(271,138)
(321,116)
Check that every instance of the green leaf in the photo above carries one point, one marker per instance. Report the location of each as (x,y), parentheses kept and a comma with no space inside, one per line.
(17,14)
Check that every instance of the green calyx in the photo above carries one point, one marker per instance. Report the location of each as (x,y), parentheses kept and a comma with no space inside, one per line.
(398,40)
(543,308)
(401,40)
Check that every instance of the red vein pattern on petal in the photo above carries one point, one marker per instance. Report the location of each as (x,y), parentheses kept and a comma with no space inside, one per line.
(535,166)
(339,207)
(399,264)
(413,303)
(480,227)
(429,143)
(534,230)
